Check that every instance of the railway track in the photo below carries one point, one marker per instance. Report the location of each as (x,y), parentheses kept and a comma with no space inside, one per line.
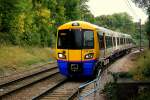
(66,91)
(14,84)
(46,83)
(9,88)
(34,90)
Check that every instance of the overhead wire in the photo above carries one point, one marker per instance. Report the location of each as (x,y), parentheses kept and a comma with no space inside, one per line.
(128,3)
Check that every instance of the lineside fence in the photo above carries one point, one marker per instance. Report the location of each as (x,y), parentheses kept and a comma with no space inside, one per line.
(96,83)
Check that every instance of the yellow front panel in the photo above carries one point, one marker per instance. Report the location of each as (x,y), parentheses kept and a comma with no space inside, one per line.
(75,55)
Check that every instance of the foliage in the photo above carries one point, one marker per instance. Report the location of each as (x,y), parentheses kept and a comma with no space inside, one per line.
(142,3)
(21,57)
(14,58)
(123,75)
(121,22)
(34,22)
(144,95)
(110,90)
(115,92)
(145,4)
(142,71)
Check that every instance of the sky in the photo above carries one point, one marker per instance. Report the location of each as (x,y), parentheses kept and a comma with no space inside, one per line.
(108,7)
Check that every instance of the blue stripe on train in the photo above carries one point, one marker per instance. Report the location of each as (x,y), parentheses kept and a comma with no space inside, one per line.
(88,68)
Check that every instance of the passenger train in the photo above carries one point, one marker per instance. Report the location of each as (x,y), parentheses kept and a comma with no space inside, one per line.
(83,48)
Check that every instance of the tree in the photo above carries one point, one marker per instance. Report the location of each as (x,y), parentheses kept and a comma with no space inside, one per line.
(35,22)
(85,13)
(12,18)
(121,22)
(145,4)
(72,9)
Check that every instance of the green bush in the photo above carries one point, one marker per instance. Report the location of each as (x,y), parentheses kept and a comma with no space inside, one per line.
(124,75)
(110,90)
(144,95)
(142,71)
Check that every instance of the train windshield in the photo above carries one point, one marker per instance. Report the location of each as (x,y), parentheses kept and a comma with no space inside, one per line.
(75,39)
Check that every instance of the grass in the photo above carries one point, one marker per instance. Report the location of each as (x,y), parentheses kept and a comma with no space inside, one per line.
(20,58)
(141,71)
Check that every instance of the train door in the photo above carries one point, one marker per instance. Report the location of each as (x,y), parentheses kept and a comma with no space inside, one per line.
(75,45)
(101,38)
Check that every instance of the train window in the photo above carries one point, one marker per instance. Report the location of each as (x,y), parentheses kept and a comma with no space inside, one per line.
(128,41)
(123,40)
(114,41)
(88,39)
(101,40)
(69,39)
(118,41)
(106,38)
(62,39)
(108,41)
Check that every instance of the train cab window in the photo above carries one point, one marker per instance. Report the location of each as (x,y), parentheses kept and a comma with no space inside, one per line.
(101,40)
(88,39)
(69,39)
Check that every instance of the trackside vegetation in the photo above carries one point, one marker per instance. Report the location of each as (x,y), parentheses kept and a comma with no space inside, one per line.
(28,30)
(140,72)
(29,24)
(34,22)
(15,58)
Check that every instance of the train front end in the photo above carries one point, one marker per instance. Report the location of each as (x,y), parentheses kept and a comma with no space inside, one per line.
(75,50)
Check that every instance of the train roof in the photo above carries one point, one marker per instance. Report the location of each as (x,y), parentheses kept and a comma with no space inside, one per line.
(80,24)
(87,25)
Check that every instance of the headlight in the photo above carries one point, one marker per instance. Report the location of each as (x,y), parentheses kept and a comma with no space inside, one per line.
(89,56)
(61,55)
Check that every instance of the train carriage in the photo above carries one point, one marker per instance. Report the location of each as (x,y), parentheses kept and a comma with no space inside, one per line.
(82,46)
